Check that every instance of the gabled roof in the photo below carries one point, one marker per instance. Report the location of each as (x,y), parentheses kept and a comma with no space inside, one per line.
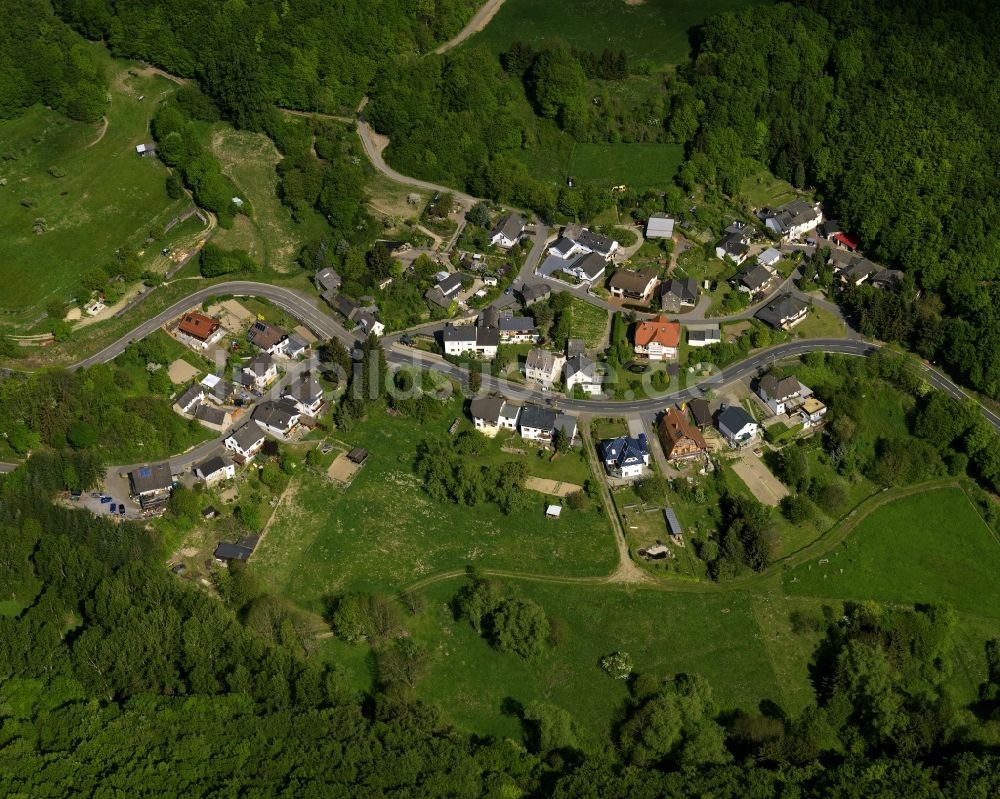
(686,290)
(450,284)
(511,226)
(259,364)
(198,325)
(531,294)
(191,395)
(592,241)
(580,363)
(780,310)
(701,412)
(575,346)
(492,408)
(214,464)
(154,477)
(563,245)
(589,265)
(265,335)
(207,413)
(458,333)
(660,330)
(278,415)
(624,450)
(538,417)
(704,333)
(247,436)
(659,226)
(755,277)
(674,427)
(226,551)
(490,317)
(632,281)
(779,389)
(734,418)
(516,324)
(769,256)
(540,359)
(306,389)
(565,423)
(328,279)
(343,305)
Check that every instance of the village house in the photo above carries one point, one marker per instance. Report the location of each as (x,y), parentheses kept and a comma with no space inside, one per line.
(632,285)
(735,243)
(783,312)
(213,418)
(492,414)
(217,389)
(478,340)
(703,335)
(580,371)
(577,240)
(277,418)
(754,280)
(327,283)
(540,424)
(587,268)
(856,271)
(295,347)
(306,394)
(678,295)
(575,346)
(245,442)
(701,412)
(343,306)
(625,457)
(678,437)
(241,550)
(151,485)
(659,226)
(265,336)
(260,372)
(532,294)
(543,367)
(811,412)
(190,399)
(737,426)
(794,219)
(215,469)
(200,331)
(769,258)
(516,329)
(367,322)
(507,232)
(780,394)
(657,339)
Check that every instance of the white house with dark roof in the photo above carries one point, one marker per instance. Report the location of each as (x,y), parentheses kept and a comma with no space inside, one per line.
(277,418)
(737,426)
(543,366)
(778,394)
(260,372)
(577,240)
(479,340)
(267,337)
(794,219)
(735,243)
(190,399)
(703,335)
(769,258)
(245,442)
(580,371)
(540,424)
(784,312)
(151,485)
(517,329)
(492,414)
(307,395)
(507,232)
(215,469)
(625,457)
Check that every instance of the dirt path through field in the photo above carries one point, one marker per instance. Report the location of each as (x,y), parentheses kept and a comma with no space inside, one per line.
(479,21)
(101,132)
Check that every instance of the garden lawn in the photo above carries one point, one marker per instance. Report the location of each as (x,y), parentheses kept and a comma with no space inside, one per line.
(929,547)
(713,634)
(658,30)
(107,197)
(588,322)
(383,533)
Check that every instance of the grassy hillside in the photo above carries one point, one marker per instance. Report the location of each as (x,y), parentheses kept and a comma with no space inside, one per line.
(653,29)
(87,184)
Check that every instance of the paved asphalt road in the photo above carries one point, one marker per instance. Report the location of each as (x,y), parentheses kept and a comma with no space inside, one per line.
(305,308)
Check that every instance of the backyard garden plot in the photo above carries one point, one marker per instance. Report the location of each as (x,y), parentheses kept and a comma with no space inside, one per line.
(587,322)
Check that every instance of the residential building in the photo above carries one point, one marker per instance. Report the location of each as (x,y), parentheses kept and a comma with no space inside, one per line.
(811,411)
(245,442)
(260,372)
(450,285)
(701,412)
(327,283)
(857,271)
(218,390)
(532,294)
(267,337)
(367,322)
(632,285)
(543,367)
(657,339)
(769,258)
(517,329)
(480,341)
(577,240)
(783,312)
(735,243)
(190,399)
(888,279)
(659,226)
(678,295)
(755,279)
(587,268)
(151,485)
(490,317)
(540,424)
(737,426)
(679,438)
(580,371)
(295,347)
(846,241)
(241,550)
(794,219)
(306,394)
(215,469)
(703,335)
(343,306)
(575,346)
(625,457)
(277,418)
(778,393)
(202,331)
(507,231)
(215,418)
(493,413)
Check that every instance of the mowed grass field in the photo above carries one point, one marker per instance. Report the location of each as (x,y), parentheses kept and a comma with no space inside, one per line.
(930,547)
(638,166)
(384,533)
(654,29)
(108,196)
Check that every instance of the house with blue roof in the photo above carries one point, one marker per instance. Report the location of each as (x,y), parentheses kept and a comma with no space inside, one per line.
(625,457)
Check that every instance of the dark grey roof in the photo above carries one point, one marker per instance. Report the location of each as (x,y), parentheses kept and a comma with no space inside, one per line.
(591,265)
(450,284)
(327,279)
(487,337)
(631,280)
(510,226)
(594,241)
(672,522)
(154,477)
(704,333)
(781,309)
(624,450)
(190,395)
(540,359)
(755,277)
(487,408)
(265,335)
(516,324)
(562,245)
(490,317)
(210,466)
(580,363)
(247,436)
(700,411)
(306,389)
(207,413)
(575,346)
(279,415)
(734,418)
(458,333)
(232,552)
(434,295)
(295,344)
(343,305)
(532,294)
(221,390)
(734,242)
(566,423)
(779,389)
(259,364)
(538,417)
(685,290)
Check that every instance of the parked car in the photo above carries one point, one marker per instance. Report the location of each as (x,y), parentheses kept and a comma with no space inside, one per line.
(105,499)
(113,508)
(121,510)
